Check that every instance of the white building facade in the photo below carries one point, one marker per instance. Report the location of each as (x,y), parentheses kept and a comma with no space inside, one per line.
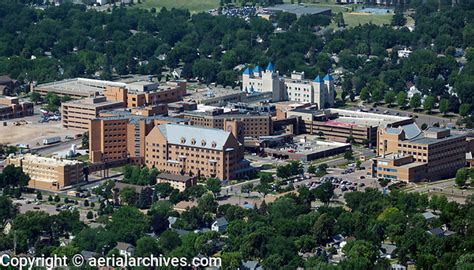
(296,88)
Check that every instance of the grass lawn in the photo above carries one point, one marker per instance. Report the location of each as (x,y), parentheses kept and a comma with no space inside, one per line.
(354,19)
(191,5)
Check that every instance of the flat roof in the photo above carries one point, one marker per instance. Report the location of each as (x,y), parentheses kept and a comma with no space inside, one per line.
(421,139)
(133,118)
(46,160)
(308,147)
(81,86)
(174,177)
(350,118)
(88,102)
(210,93)
(297,9)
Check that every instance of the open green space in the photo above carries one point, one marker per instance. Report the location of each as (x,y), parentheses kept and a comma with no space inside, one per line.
(191,5)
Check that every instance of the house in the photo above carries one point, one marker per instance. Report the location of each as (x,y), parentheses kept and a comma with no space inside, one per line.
(219,225)
(125,249)
(429,216)
(396,266)
(89,254)
(440,232)
(251,265)
(388,251)
(412,90)
(171,221)
(337,241)
(177,181)
(7,226)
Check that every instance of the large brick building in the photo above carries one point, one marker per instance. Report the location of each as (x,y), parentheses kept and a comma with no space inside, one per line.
(120,135)
(49,173)
(138,95)
(11,107)
(409,154)
(77,114)
(340,125)
(184,149)
(254,125)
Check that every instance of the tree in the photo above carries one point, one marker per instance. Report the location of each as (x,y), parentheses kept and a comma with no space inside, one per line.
(350,139)
(444,106)
(163,189)
(389,97)
(324,192)
(247,188)
(7,209)
(464,109)
(57,199)
(35,97)
(263,188)
(159,223)
(365,94)
(462,176)
(128,196)
(348,155)
(169,240)
(128,224)
(312,169)
(214,186)
(429,103)
(207,204)
(402,99)
(39,196)
(85,140)
(147,246)
(283,171)
(415,101)
(323,228)
(90,215)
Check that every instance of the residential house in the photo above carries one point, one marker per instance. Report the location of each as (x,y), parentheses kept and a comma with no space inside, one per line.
(251,265)
(388,251)
(219,225)
(125,249)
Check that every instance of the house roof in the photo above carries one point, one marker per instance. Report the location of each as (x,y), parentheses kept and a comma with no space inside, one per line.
(207,138)
(174,177)
(328,77)
(251,265)
(317,79)
(221,221)
(137,188)
(436,231)
(247,71)
(270,66)
(388,248)
(257,69)
(123,246)
(429,215)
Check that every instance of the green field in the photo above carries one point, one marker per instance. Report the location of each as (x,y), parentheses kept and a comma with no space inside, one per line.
(191,5)
(354,19)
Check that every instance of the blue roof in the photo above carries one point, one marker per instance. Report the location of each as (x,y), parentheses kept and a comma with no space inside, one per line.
(257,69)
(247,71)
(270,66)
(328,77)
(317,79)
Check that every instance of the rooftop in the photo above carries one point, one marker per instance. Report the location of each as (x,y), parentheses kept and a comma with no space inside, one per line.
(93,102)
(297,9)
(46,160)
(79,86)
(350,118)
(192,136)
(174,177)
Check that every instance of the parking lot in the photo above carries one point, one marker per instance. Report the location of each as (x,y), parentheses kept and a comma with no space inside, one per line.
(28,130)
